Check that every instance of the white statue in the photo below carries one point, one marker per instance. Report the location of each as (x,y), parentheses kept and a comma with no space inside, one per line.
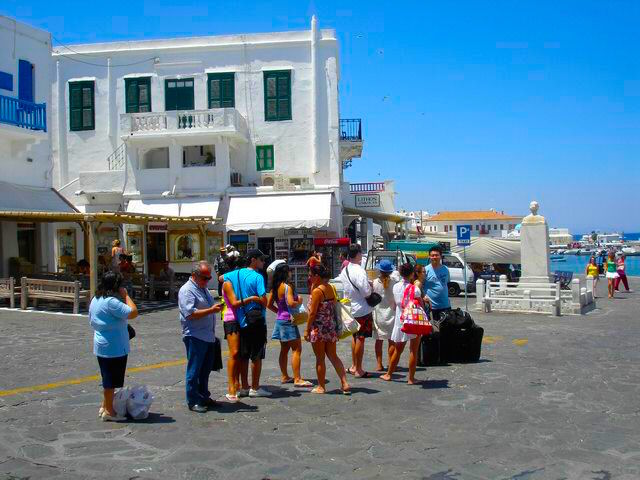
(533,218)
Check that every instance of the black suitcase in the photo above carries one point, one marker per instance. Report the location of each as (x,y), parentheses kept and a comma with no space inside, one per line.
(429,351)
(462,345)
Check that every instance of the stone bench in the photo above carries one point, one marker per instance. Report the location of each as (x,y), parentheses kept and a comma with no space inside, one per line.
(505,295)
(35,289)
(8,290)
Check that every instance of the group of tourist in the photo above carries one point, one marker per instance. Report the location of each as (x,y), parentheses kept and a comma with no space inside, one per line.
(614,271)
(243,308)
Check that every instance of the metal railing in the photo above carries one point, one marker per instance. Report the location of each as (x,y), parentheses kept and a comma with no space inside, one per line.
(371,187)
(351,129)
(118,159)
(21,113)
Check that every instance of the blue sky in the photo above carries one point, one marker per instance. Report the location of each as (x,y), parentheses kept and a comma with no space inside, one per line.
(466,104)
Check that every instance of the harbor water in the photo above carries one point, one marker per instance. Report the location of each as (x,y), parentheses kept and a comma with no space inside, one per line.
(578,264)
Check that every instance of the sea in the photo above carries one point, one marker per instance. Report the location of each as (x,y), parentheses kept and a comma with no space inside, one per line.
(578,263)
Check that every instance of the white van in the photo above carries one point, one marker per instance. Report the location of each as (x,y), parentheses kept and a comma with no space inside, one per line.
(456,266)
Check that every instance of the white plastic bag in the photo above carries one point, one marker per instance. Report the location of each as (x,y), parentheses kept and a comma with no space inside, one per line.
(139,402)
(120,401)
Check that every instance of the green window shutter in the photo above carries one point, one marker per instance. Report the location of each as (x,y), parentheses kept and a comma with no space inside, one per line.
(138,94)
(81,106)
(264,157)
(221,90)
(277,95)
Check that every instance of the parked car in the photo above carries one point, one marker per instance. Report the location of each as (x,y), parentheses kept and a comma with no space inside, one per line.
(456,266)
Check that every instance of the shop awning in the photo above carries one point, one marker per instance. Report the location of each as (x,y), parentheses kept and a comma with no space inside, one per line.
(18,198)
(257,212)
(381,216)
(183,207)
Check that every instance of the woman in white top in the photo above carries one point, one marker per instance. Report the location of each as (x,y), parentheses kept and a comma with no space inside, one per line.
(398,338)
(384,313)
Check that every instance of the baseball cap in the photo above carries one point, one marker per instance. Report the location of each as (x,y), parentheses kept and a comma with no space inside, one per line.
(256,253)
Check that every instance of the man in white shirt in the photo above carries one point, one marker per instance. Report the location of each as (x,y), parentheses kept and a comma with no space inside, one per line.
(357,288)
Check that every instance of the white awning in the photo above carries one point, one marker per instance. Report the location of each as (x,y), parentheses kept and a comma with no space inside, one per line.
(183,207)
(308,210)
(19,198)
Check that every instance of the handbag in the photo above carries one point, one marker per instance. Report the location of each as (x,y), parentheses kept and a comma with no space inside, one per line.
(253,317)
(131,330)
(299,314)
(373,299)
(414,318)
(346,325)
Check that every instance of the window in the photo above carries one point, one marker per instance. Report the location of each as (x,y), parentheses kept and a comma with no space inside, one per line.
(477,227)
(501,226)
(199,156)
(137,94)
(264,157)
(221,90)
(451,262)
(81,106)
(178,94)
(495,227)
(277,95)
(446,228)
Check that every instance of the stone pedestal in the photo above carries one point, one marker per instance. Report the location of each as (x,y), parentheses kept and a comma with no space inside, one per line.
(534,246)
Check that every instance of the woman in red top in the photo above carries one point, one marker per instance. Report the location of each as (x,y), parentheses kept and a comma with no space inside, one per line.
(314,259)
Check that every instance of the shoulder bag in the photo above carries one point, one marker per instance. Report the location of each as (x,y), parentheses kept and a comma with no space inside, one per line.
(414,319)
(346,325)
(299,315)
(373,299)
(253,317)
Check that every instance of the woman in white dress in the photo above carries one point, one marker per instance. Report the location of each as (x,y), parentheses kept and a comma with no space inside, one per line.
(398,338)
(384,313)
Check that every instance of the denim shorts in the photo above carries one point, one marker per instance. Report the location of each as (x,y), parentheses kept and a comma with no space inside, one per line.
(285,331)
(112,370)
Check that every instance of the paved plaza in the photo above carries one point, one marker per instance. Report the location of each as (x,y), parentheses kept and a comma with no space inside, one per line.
(552,398)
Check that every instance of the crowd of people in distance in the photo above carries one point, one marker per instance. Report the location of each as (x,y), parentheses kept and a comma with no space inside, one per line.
(243,308)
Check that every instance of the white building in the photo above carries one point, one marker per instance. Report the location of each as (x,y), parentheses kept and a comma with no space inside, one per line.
(25,155)
(242,127)
(483,222)
(560,236)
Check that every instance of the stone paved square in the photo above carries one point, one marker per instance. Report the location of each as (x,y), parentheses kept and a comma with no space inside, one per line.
(552,398)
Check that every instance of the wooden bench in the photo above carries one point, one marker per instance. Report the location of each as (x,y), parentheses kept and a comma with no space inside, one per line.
(504,292)
(8,290)
(52,290)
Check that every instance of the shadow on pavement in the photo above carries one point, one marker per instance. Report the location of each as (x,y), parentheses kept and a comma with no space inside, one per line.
(366,390)
(228,407)
(279,392)
(429,384)
(156,418)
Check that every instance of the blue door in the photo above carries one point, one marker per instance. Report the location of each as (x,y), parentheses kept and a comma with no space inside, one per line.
(25,80)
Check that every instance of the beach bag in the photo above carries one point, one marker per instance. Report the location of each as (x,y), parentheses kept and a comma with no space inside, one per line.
(120,401)
(299,314)
(139,402)
(346,325)
(414,318)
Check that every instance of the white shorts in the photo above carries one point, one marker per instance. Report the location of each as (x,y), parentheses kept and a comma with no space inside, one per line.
(612,275)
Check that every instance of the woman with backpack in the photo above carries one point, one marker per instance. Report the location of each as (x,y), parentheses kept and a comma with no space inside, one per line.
(399,339)
(281,298)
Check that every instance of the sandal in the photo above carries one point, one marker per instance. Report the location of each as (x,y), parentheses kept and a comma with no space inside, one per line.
(303,384)
(318,390)
(231,398)
(288,380)
(364,375)
(346,392)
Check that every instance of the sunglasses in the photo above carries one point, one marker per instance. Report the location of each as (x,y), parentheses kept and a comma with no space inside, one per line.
(202,277)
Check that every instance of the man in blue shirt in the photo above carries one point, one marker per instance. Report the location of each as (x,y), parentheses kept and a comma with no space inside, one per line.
(437,284)
(249,282)
(197,318)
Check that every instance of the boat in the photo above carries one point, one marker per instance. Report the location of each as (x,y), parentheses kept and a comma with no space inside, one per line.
(572,251)
(631,251)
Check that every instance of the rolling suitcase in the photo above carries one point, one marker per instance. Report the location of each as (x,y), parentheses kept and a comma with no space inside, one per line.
(462,345)
(429,352)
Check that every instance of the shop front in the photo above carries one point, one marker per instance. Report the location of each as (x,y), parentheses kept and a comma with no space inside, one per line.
(330,248)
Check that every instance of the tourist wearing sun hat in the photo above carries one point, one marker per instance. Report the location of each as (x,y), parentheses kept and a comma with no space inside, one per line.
(384,312)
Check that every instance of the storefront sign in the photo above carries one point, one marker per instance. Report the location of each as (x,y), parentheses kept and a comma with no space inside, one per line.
(155,227)
(367,201)
(325,242)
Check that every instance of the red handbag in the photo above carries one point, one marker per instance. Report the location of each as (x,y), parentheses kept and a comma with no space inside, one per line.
(414,319)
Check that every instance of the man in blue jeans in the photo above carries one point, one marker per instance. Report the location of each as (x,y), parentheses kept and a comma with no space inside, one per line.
(197,318)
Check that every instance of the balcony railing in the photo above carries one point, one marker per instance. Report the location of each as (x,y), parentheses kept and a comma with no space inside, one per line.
(351,129)
(371,187)
(218,120)
(23,114)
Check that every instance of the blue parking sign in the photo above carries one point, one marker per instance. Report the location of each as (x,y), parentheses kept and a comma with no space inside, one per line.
(463,235)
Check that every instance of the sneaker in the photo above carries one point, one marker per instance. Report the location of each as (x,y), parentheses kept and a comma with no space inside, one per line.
(243,393)
(231,398)
(261,392)
(112,418)
(198,408)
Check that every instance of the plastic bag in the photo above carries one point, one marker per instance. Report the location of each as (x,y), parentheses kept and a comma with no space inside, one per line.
(347,325)
(120,401)
(139,402)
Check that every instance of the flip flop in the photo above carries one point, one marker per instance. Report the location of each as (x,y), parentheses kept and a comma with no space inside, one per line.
(318,390)
(284,382)
(304,384)
(346,392)
(364,375)
(351,372)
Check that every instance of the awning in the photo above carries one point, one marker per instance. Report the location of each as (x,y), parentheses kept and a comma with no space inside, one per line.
(18,198)
(483,249)
(183,207)
(257,212)
(383,216)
